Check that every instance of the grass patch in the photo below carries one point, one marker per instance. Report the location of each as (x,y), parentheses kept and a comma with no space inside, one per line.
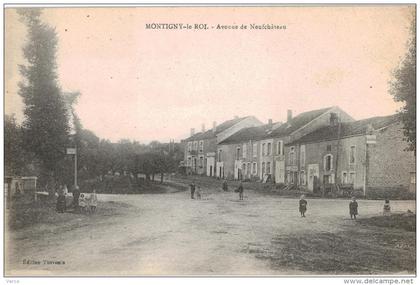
(355,250)
(26,213)
(398,221)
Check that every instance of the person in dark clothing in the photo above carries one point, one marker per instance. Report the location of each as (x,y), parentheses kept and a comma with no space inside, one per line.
(241,191)
(302,206)
(192,188)
(225,186)
(353,208)
(387,208)
(76,194)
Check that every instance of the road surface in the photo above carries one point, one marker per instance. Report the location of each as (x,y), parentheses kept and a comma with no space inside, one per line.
(171,234)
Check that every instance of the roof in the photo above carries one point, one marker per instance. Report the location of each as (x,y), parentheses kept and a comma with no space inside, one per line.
(347,129)
(297,122)
(251,133)
(220,128)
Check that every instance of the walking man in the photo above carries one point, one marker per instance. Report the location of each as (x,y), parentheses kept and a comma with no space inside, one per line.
(241,191)
(192,188)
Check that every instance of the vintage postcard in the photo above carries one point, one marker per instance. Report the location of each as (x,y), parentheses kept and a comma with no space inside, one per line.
(210,140)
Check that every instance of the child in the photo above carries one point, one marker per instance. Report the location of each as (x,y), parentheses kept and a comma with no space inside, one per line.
(353,208)
(93,201)
(198,192)
(83,205)
(302,206)
(387,208)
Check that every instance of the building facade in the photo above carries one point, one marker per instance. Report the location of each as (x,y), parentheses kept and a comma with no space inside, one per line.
(362,155)
(200,155)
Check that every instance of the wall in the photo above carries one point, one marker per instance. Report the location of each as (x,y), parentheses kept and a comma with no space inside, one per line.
(389,164)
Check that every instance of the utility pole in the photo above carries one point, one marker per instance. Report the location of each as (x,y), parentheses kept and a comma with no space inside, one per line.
(75,166)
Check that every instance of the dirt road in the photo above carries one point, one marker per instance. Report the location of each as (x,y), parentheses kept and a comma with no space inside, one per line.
(173,235)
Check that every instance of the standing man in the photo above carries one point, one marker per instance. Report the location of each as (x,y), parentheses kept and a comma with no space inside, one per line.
(192,188)
(241,191)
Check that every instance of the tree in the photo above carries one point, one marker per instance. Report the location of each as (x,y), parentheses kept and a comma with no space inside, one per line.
(16,159)
(46,126)
(403,89)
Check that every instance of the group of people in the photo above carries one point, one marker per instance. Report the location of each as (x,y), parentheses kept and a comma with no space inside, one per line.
(303,204)
(85,203)
(353,207)
(196,190)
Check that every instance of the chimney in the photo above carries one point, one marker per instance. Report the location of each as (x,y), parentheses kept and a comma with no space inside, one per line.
(289,115)
(214,126)
(333,119)
(203,128)
(270,124)
(192,131)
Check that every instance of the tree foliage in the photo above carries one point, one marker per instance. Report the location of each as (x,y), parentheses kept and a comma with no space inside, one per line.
(403,89)
(45,125)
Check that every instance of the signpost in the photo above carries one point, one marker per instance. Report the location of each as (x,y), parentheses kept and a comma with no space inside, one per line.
(73,151)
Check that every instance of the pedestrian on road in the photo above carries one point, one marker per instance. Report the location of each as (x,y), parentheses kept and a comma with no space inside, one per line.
(353,208)
(387,208)
(198,192)
(302,206)
(192,188)
(225,185)
(241,191)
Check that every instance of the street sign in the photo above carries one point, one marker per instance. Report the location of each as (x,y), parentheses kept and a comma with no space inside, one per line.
(71,151)
(371,139)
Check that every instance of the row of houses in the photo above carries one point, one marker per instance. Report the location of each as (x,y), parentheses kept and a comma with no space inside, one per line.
(319,150)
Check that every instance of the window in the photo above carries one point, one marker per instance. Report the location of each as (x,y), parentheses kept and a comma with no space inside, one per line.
(248,169)
(263,168)
(189,161)
(263,149)
(254,168)
(302,155)
(195,144)
(329,147)
(280,150)
(268,167)
(269,149)
(220,156)
(302,178)
(254,150)
(243,168)
(292,156)
(244,150)
(201,162)
(352,177)
(238,153)
(344,178)
(189,146)
(328,162)
(201,145)
(352,158)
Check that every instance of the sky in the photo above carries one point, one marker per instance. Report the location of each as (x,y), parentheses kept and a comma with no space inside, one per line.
(145,84)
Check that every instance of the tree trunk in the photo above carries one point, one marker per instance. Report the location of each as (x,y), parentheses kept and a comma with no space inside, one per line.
(161,178)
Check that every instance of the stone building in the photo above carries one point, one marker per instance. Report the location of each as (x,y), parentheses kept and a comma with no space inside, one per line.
(200,148)
(239,153)
(363,155)
(272,163)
